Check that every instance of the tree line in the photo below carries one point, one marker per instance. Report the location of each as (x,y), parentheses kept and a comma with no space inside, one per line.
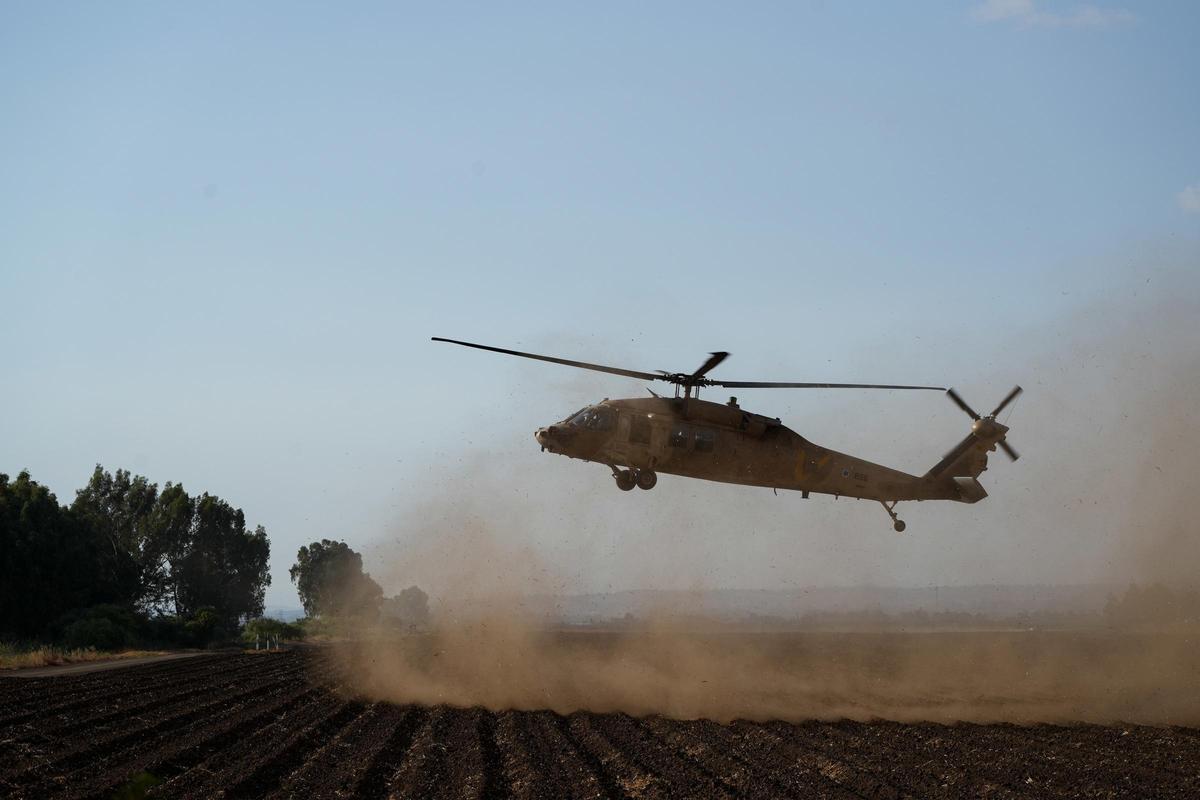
(126,555)
(129,563)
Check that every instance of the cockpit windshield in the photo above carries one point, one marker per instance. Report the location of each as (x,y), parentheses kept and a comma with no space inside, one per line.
(594,418)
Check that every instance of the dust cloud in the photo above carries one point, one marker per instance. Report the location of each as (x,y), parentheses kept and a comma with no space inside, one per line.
(1126,450)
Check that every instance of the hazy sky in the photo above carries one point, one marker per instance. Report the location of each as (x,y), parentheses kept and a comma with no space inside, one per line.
(228,231)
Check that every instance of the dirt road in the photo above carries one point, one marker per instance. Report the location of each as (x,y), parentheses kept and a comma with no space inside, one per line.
(91,666)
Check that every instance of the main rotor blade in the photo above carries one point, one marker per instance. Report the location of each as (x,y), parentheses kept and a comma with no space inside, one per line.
(771,385)
(1008,450)
(958,401)
(1011,396)
(713,360)
(629,373)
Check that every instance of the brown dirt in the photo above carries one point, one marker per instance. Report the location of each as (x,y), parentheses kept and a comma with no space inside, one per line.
(286,725)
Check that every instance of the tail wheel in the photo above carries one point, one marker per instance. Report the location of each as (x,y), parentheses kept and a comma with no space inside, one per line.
(626,480)
(647,479)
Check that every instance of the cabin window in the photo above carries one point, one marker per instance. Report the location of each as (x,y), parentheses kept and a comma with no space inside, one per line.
(705,441)
(679,437)
(639,430)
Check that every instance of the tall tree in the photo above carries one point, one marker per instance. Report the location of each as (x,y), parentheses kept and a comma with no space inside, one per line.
(52,560)
(121,509)
(330,581)
(223,565)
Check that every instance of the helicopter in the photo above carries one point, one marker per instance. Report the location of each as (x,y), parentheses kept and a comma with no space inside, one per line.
(637,438)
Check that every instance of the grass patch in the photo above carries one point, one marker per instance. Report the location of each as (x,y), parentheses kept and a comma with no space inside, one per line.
(19,656)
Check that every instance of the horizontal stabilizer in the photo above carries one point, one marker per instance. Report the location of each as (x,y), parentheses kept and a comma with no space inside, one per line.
(970,490)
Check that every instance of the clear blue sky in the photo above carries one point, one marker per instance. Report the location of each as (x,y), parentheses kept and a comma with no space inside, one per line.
(227,232)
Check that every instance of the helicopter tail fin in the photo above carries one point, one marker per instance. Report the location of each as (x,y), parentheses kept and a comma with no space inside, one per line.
(960,469)
(968,459)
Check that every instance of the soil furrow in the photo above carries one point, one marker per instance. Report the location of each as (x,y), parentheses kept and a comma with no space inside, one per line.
(810,773)
(225,767)
(555,752)
(375,767)
(465,766)
(423,766)
(101,711)
(1051,768)
(739,775)
(52,702)
(106,742)
(927,761)
(292,754)
(280,726)
(496,779)
(202,741)
(330,769)
(648,749)
(628,777)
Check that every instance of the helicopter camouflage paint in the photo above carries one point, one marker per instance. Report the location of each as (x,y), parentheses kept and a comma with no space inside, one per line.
(638,438)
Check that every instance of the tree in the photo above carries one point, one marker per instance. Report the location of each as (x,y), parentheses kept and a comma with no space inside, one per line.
(410,608)
(130,516)
(124,544)
(330,581)
(51,561)
(222,566)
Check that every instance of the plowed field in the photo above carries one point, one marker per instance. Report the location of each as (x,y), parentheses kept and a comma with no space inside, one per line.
(284,725)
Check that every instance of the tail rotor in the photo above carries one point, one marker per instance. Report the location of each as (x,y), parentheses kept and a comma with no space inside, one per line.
(987,426)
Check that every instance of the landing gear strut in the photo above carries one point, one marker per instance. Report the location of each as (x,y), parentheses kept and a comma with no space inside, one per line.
(629,478)
(897,523)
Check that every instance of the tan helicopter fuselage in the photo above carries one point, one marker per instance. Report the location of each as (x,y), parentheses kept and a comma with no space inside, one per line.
(723,442)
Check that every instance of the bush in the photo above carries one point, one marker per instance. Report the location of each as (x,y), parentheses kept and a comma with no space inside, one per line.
(166,630)
(99,633)
(103,627)
(265,628)
(200,630)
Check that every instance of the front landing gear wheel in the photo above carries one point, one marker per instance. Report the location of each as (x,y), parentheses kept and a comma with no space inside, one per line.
(647,479)
(899,526)
(626,480)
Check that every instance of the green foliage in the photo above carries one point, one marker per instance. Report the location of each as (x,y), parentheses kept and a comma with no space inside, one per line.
(51,561)
(265,628)
(224,566)
(123,513)
(137,787)
(103,627)
(316,628)
(123,543)
(330,581)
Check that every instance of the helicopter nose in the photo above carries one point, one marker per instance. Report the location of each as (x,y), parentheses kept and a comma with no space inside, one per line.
(543,437)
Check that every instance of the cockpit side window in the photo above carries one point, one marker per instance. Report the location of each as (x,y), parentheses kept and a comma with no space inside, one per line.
(594,418)
(602,419)
(705,441)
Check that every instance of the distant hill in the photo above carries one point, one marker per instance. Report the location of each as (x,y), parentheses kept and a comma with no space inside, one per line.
(284,614)
(996,601)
